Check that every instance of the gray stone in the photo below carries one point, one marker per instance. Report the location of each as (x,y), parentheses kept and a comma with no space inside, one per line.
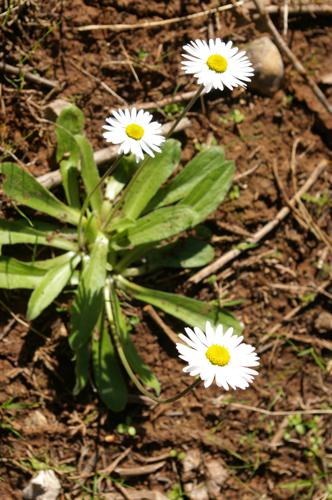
(268,65)
(54,108)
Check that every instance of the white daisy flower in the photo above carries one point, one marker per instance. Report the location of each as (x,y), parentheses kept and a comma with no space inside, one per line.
(217,64)
(134,131)
(219,355)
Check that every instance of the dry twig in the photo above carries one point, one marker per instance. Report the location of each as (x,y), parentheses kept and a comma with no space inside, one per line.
(116,461)
(8,68)
(164,22)
(261,233)
(183,96)
(311,9)
(289,54)
(165,328)
(271,413)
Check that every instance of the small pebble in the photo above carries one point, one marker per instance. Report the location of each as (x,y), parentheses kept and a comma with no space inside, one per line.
(191,463)
(44,486)
(196,492)
(216,475)
(323,322)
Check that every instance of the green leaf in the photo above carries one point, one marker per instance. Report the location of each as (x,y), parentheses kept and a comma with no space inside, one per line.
(51,285)
(17,274)
(69,123)
(156,226)
(185,253)
(148,178)
(123,173)
(89,302)
(132,356)
(107,372)
(210,192)
(48,264)
(14,232)
(82,357)
(191,311)
(89,173)
(189,177)
(26,190)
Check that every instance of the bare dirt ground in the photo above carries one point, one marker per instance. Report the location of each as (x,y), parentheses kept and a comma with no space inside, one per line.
(237,445)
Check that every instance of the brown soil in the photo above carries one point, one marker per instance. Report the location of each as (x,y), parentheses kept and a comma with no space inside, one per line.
(228,451)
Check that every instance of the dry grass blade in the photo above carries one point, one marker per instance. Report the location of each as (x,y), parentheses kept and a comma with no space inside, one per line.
(139,469)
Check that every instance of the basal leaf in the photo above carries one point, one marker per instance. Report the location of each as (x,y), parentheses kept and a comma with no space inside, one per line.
(185,253)
(69,123)
(14,232)
(158,225)
(88,303)
(51,285)
(17,274)
(107,371)
(47,264)
(191,311)
(26,190)
(189,177)
(148,179)
(210,192)
(81,358)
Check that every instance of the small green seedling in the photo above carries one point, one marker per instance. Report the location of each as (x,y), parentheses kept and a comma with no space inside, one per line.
(126,428)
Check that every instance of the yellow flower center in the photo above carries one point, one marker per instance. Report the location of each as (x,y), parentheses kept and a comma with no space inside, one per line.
(218,355)
(217,63)
(135,131)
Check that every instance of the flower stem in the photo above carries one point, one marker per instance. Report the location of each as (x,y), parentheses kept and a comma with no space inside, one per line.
(185,111)
(112,314)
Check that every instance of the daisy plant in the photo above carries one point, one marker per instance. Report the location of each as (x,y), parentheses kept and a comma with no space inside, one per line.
(103,235)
